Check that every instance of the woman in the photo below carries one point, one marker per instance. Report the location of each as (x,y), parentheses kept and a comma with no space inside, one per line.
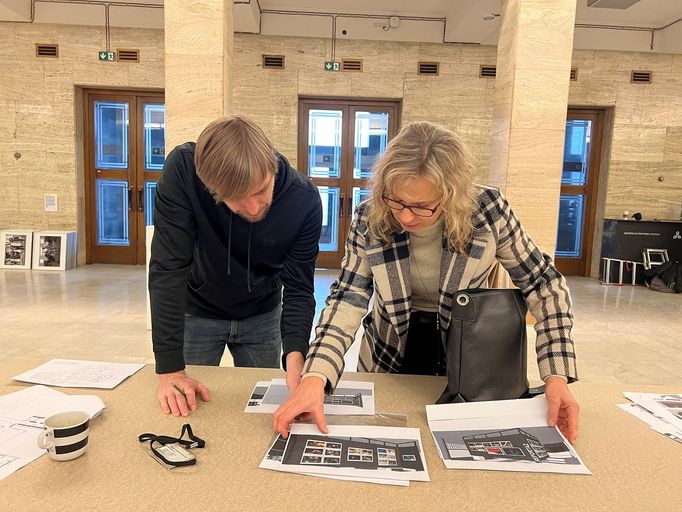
(428,228)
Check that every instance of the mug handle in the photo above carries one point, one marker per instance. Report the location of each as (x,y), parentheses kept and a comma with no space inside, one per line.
(43,441)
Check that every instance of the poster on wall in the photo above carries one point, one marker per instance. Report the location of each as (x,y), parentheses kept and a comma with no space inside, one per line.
(16,249)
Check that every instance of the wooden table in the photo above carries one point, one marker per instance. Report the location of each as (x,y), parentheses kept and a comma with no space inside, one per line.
(633,467)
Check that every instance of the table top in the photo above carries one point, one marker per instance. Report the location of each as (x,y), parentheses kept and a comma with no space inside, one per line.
(634,468)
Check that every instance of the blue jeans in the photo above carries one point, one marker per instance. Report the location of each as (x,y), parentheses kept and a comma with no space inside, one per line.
(255,341)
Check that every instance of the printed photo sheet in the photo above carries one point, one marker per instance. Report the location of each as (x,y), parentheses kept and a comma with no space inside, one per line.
(505,435)
(350,452)
(350,398)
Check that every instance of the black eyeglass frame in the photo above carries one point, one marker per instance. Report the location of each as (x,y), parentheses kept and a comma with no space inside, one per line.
(388,202)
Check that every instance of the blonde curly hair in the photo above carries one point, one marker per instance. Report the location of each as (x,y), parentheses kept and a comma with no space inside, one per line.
(426,150)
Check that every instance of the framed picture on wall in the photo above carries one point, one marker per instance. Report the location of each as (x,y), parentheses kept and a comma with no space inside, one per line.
(54,250)
(16,249)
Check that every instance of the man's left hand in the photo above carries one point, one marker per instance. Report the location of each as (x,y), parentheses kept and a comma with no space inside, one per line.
(295,362)
(563,409)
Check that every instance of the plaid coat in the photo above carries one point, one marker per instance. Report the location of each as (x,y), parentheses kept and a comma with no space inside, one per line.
(372,267)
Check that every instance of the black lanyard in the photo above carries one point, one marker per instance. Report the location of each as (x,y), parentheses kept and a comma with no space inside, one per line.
(193,442)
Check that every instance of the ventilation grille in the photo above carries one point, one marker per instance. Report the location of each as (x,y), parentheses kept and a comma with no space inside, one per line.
(127,55)
(428,68)
(273,61)
(641,77)
(47,50)
(351,65)
(574,74)
(488,72)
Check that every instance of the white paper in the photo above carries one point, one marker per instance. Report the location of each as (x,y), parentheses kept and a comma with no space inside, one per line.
(71,373)
(350,398)
(21,421)
(387,453)
(505,435)
(668,407)
(663,413)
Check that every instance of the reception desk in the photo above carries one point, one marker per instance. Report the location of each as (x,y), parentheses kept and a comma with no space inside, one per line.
(634,468)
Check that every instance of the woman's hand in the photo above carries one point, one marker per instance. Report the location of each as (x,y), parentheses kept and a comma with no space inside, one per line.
(308,398)
(563,410)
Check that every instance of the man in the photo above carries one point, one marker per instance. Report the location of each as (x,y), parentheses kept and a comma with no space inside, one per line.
(234,224)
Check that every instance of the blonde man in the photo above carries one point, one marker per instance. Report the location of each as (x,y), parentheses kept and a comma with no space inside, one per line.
(426,232)
(236,232)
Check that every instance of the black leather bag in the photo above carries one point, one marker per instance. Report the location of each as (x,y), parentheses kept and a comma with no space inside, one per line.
(485,347)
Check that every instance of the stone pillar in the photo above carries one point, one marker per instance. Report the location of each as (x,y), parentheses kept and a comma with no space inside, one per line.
(199,38)
(531,100)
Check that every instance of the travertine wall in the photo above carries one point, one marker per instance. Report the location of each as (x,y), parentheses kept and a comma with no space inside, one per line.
(40,109)
(38,106)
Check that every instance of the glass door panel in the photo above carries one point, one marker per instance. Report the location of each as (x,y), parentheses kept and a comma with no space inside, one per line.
(371,137)
(569,237)
(111,135)
(329,238)
(324,143)
(113,203)
(154,136)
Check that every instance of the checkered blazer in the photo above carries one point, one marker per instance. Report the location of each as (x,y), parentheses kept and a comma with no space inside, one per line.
(372,267)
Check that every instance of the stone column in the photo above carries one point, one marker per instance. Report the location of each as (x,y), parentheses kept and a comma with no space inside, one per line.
(531,100)
(199,38)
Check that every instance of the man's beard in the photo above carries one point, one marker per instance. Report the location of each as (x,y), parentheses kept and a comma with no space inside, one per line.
(257,218)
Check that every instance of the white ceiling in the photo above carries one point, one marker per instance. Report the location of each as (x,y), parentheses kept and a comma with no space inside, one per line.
(465,21)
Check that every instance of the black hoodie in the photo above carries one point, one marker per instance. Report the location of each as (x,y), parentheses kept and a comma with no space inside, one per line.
(211,263)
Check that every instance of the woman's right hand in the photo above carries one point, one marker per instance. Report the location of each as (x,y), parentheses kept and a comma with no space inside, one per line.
(308,399)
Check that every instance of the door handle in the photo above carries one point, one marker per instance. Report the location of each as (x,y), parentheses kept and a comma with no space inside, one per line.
(140,199)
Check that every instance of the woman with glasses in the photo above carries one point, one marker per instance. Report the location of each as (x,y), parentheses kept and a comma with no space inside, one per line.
(426,232)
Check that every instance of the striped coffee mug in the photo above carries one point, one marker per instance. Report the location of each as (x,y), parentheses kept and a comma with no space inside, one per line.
(66,435)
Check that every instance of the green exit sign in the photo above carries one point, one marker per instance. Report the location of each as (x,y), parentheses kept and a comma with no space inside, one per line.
(330,65)
(108,56)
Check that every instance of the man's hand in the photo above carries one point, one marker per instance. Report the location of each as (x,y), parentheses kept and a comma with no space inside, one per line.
(295,362)
(563,409)
(177,393)
(308,398)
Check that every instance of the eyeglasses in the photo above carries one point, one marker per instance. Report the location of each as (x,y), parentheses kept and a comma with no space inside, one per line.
(419,211)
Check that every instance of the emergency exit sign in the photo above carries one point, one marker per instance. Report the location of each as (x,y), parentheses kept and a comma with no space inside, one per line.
(330,65)
(108,56)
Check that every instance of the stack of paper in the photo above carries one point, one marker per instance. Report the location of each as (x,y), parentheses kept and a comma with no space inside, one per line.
(383,455)
(506,435)
(663,413)
(350,398)
(21,421)
(71,373)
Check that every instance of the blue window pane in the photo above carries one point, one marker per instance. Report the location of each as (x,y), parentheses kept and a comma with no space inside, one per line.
(359,195)
(324,143)
(330,218)
(576,151)
(154,136)
(111,135)
(112,212)
(149,196)
(570,234)
(371,137)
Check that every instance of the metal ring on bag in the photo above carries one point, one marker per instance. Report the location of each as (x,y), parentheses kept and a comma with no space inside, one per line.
(462,299)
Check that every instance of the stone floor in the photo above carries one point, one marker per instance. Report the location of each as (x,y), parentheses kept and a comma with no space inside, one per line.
(624,335)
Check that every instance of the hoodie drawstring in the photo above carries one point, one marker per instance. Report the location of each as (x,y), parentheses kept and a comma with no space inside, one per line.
(229,245)
(248,261)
